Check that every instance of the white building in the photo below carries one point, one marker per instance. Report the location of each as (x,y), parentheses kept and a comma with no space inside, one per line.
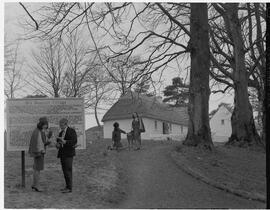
(160,120)
(220,123)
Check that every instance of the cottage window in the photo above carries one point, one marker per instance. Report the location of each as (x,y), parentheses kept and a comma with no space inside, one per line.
(170,127)
(222,122)
(155,125)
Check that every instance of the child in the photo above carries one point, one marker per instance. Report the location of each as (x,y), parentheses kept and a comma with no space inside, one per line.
(116,136)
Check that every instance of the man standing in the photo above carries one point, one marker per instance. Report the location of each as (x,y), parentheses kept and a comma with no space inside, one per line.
(66,150)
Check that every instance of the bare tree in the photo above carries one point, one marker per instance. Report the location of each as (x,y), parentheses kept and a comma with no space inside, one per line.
(13,70)
(48,69)
(223,63)
(75,50)
(243,127)
(100,90)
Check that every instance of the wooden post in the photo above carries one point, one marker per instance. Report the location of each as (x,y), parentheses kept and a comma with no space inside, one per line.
(23,168)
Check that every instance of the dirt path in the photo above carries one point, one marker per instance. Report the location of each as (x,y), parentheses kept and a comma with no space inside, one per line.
(153,180)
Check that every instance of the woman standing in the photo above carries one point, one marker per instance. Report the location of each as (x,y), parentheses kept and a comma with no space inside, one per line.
(136,130)
(37,148)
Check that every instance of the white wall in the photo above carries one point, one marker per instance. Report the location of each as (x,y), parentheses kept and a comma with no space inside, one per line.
(150,131)
(221,133)
(179,129)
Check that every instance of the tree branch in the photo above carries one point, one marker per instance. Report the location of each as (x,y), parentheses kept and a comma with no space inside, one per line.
(29,15)
(173,19)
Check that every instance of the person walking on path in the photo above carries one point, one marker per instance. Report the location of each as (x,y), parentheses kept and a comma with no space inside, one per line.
(66,143)
(37,149)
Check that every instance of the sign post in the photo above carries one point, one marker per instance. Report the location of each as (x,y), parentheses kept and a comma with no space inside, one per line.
(23,168)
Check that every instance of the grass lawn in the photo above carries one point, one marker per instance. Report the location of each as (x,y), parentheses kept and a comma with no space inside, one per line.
(238,168)
(95,180)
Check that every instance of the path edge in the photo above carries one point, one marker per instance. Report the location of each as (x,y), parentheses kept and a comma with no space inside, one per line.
(196,174)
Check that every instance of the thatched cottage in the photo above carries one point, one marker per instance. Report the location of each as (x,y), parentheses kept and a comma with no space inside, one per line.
(161,121)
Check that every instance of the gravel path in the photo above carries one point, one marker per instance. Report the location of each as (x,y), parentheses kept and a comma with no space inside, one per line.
(153,180)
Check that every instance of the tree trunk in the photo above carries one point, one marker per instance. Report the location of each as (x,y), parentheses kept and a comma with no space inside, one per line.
(96,116)
(56,95)
(243,126)
(198,108)
(261,116)
(55,92)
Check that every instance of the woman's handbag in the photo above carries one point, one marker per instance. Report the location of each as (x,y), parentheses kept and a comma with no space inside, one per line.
(142,128)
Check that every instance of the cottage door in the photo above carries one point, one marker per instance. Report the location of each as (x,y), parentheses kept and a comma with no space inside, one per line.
(165,128)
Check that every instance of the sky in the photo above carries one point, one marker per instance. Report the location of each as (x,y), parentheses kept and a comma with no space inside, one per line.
(13,13)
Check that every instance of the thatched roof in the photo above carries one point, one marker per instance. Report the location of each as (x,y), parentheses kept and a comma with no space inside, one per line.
(145,106)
